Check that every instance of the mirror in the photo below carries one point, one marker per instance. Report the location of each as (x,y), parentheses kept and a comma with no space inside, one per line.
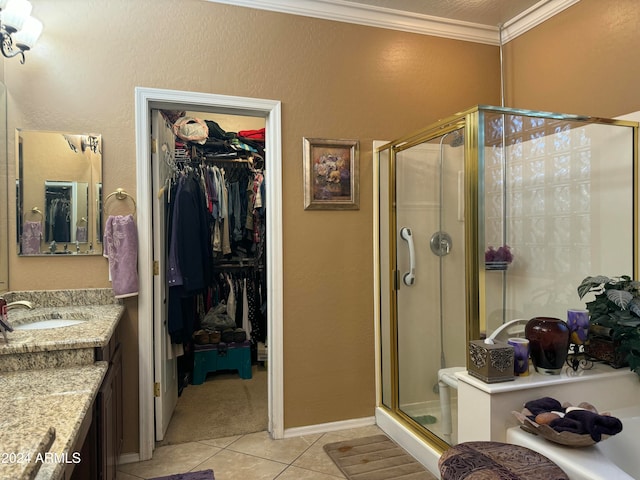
(58,175)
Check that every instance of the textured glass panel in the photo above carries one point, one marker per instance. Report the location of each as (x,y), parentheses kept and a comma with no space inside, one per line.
(514,124)
(561,230)
(535,122)
(495,179)
(583,230)
(583,202)
(561,168)
(538,257)
(536,201)
(537,144)
(584,164)
(536,172)
(561,259)
(494,130)
(516,203)
(494,158)
(515,175)
(536,229)
(561,199)
(582,139)
(494,205)
(562,138)
(516,231)
(516,150)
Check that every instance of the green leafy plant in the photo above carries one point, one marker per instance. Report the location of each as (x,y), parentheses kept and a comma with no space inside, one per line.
(616,306)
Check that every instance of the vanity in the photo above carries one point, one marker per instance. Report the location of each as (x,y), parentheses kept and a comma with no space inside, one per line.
(61,386)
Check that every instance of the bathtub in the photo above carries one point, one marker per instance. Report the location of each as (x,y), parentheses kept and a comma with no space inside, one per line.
(614,458)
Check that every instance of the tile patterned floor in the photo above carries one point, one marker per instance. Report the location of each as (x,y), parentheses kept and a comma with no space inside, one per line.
(248,457)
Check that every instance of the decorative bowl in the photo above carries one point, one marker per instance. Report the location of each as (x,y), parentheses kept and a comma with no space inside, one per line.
(568,439)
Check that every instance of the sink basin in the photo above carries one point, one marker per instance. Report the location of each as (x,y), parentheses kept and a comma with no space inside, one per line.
(46,324)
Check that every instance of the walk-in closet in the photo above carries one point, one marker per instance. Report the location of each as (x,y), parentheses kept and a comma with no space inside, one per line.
(210,230)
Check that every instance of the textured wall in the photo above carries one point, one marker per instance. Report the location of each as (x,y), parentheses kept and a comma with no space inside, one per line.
(335,80)
(584,61)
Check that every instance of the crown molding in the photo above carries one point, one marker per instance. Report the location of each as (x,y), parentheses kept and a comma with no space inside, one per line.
(372,16)
(534,16)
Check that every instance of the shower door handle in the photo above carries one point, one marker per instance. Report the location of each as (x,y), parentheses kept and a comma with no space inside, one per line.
(410,277)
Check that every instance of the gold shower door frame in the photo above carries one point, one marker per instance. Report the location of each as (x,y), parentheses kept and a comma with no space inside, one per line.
(388,274)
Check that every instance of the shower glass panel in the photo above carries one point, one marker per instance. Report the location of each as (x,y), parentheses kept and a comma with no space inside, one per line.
(558,190)
(430,259)
(560,193)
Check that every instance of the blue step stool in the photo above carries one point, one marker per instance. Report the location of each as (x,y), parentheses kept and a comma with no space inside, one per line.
(211,358)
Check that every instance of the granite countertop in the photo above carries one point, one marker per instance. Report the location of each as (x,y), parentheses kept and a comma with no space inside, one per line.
(40,404)
(96,331)
(97,306)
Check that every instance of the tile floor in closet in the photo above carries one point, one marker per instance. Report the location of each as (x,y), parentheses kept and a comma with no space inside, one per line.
(254,456)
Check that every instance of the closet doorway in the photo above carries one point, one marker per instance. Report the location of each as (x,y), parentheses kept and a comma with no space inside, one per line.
(152,360)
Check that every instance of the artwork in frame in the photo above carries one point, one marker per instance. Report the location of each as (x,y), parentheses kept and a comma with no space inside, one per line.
(331,176)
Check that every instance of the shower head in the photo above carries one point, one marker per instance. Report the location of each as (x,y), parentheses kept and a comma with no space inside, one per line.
(458,138)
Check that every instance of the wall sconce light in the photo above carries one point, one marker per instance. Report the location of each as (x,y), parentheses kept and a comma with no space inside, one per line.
(18,28)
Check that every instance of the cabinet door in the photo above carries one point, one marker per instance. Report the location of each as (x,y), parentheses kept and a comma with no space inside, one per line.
(106,433)
(117,395)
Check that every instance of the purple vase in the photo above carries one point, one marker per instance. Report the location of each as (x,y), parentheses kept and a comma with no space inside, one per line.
(548,344)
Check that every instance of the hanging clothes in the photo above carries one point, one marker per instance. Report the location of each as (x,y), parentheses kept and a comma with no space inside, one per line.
(216,233)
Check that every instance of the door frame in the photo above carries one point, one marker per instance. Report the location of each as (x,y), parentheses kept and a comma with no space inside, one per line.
(147,99)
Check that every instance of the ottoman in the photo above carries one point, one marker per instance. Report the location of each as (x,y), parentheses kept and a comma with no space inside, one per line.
(221,356)
(496,461)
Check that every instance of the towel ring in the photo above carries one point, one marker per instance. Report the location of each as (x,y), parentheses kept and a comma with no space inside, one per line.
(120,194)
(34,211)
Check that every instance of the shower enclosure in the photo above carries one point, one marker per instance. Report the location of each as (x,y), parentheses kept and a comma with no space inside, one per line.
(557,190)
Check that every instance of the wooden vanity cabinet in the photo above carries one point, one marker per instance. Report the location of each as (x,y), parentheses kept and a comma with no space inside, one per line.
(109,410)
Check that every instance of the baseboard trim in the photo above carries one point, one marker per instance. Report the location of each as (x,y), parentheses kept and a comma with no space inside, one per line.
(128,458)
(329,427)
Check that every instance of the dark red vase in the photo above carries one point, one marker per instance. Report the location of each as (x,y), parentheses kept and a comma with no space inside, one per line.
(548,344)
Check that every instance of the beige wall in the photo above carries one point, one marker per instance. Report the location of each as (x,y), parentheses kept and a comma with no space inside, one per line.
(335,80)
(584,61)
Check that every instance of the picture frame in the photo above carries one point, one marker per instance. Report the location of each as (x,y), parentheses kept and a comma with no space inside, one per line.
(331,174)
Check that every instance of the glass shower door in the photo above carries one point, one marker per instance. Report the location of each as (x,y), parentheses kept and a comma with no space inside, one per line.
(430,297)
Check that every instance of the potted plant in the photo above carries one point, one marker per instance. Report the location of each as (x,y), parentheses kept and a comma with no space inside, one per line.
(498,259)
(614,320)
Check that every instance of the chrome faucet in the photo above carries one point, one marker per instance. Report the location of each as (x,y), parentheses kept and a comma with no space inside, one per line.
(20,303)
(5,326)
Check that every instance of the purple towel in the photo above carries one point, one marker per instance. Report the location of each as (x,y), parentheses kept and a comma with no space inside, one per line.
(544,404)
(584,421)
(121,248)
(31,237)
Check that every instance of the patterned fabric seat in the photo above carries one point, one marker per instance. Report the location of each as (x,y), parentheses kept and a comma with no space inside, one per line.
(496,461)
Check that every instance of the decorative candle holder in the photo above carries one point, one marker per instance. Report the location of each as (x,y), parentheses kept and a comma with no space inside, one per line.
(578,323)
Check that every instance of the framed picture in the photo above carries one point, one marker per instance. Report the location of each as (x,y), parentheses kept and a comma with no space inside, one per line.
(331,180)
